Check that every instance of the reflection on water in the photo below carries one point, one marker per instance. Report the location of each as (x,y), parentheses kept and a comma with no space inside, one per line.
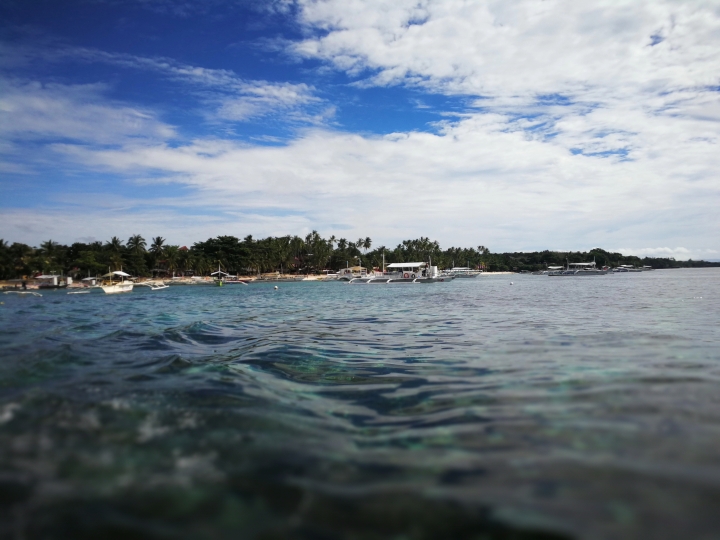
(553,408)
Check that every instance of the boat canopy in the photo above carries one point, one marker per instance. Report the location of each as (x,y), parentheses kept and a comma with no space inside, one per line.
(406,265)
(555,267)
(47,276)
(116,273)
(583,264)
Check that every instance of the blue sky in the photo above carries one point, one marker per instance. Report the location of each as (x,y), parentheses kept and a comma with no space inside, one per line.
(519,126)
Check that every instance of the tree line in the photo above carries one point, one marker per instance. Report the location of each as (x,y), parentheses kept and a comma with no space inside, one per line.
(288,254)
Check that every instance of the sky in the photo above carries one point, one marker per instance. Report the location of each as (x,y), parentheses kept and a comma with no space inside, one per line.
(520,126)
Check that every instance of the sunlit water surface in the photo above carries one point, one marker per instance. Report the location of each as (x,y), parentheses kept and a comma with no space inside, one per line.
(545,408)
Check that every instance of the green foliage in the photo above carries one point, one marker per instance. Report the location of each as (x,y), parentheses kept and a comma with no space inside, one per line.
(289,254)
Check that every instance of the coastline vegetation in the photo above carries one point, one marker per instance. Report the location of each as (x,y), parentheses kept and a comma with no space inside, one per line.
(285,254)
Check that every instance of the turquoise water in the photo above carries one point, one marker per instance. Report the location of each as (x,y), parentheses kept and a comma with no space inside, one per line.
(546,408)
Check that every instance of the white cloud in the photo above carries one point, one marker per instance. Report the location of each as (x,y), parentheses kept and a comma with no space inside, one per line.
(477,181)
(593,75)
(30,109)
(520,48)
(547,80)
(231,97)
(678,253)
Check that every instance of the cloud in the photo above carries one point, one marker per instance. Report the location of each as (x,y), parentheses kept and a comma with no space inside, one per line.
(524,48)
(32,110)
(678,253)
(477,180)
(593,74)
(583,128)
(231,97)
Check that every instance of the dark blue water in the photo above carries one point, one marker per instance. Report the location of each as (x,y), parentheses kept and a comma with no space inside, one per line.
(549,408)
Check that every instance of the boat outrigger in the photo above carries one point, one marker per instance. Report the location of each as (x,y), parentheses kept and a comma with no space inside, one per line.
(154,285)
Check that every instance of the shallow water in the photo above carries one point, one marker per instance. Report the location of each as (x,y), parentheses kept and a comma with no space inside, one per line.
(547,408)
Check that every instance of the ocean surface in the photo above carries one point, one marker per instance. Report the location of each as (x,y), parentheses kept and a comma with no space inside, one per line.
(507,406)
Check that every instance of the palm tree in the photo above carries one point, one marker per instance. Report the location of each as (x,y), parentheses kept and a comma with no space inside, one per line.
(186,259)
(116,261)
(172,257)
(136,244)
(48,253)
(157,246)
(114,245)
(367,244)
(49,248)
(201,265)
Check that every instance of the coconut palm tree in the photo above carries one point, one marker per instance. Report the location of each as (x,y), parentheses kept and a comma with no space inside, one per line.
(136,244)
(116,261)
(156,247)
(115,245)
(201,265)
(172,257)
(367,244)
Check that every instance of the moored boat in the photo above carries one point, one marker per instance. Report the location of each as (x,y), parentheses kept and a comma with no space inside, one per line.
(352,272)
(626,268)
(112,285)
(580,269)
(461,272)
(410,272)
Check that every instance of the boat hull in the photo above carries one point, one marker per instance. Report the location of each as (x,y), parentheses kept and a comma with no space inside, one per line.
(578,273)
(391,281)
(117,288)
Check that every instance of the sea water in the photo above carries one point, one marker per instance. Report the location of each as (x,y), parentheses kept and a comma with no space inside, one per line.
(509,406)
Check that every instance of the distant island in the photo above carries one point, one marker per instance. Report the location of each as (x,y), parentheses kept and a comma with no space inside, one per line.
(286,254)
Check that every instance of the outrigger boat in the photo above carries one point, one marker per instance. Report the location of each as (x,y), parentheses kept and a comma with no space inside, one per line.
(223,278)
(626,268)
(580,269)
(220,276)
(110,286)
(352,272)
(409,272)
(462,272)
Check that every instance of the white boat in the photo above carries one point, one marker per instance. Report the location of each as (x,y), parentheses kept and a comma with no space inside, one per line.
(220,276)
(53,281)
(409,272)
(626,268)
(462,272)
(352,272)
(580,269)
(111,286)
